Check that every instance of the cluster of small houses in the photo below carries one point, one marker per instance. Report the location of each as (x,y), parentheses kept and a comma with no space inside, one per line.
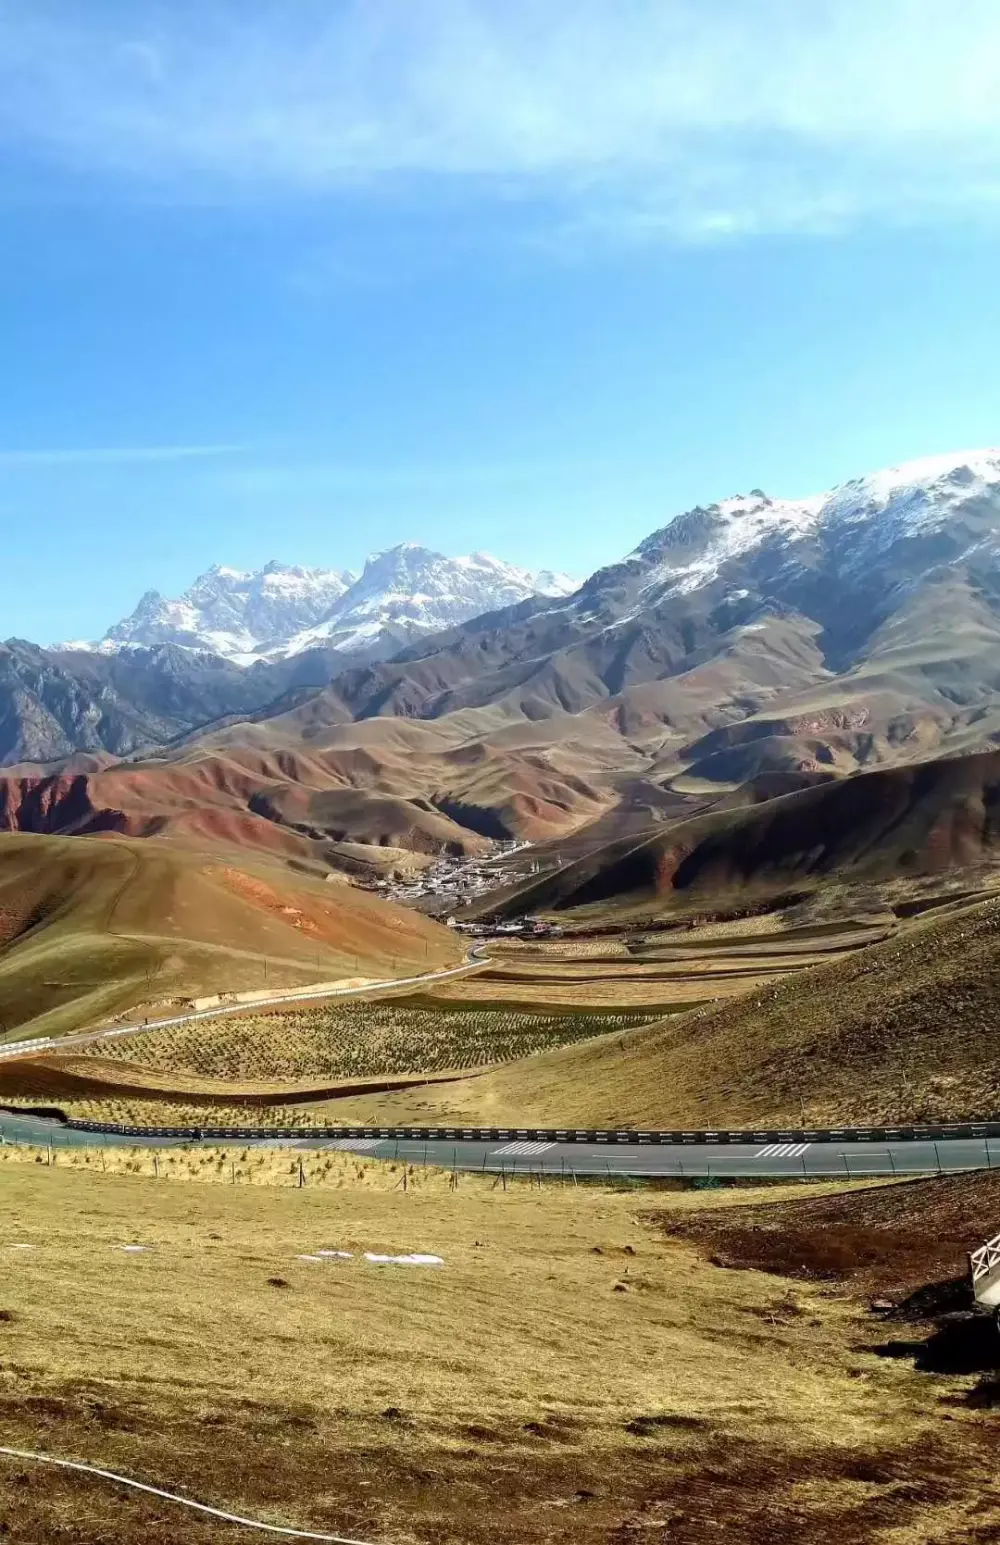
(454,879)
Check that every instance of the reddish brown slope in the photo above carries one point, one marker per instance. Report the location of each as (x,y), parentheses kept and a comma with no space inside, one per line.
(920,819)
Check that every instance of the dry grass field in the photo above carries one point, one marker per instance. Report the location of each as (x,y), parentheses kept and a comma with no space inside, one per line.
(609,991)
(151,1110)
(594,1038)
(574,1371)
(243,1165)
(669,970)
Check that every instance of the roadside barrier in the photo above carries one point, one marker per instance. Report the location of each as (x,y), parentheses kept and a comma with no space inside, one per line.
(632,1138)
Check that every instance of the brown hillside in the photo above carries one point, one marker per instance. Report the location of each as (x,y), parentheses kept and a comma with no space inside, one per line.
(89,928)
(914,820)
(423,788)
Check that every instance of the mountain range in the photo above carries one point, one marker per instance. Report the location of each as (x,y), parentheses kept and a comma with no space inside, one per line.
(279,611)
(755,643)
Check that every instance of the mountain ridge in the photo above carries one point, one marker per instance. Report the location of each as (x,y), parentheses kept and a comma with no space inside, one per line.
(281,610)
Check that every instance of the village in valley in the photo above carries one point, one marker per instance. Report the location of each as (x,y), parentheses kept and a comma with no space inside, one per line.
(455,881)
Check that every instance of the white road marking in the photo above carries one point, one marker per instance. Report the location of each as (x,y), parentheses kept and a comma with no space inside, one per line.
(355,1144)
(783,1151)
(523,1149)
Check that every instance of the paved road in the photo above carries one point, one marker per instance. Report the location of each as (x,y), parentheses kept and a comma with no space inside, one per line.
(9,1050)
(840,1159)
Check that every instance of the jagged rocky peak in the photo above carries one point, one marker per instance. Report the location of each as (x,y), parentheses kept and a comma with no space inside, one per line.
(283,609)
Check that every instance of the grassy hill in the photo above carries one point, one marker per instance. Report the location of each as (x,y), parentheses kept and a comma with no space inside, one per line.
(91,926)
(906,1029)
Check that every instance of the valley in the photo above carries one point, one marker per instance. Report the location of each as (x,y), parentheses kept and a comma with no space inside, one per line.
(729,861)
(499,773)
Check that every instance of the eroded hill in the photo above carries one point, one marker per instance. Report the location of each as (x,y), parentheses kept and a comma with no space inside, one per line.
(89,928)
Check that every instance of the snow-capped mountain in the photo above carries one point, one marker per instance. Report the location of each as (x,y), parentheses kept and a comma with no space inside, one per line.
(409,590)
(875,536)
(232,613)
(879,599)
(280,610)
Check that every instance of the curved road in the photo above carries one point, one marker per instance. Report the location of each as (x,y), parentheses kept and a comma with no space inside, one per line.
(570,1157)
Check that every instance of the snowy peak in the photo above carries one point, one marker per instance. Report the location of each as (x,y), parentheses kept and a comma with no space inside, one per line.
(409,590)
(283,609)
(955,498)
(232,612)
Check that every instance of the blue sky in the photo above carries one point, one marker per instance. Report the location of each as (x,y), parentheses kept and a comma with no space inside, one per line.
(301,281)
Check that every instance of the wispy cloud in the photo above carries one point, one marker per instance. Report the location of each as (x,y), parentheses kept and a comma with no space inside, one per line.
(110,455)
(647,119)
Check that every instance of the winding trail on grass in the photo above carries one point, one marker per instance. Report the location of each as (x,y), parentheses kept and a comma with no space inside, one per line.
(170,1496)
(11,1050)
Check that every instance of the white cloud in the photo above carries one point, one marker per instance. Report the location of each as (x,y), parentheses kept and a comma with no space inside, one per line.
(644,118)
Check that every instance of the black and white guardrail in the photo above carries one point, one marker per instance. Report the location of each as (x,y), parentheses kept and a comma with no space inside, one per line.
(755,1135)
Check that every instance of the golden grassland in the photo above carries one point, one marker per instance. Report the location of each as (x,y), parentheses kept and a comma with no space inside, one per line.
(239,1164)
(610,992)
(571,1373)
(148,1110)
(359,1060)
(262,1068)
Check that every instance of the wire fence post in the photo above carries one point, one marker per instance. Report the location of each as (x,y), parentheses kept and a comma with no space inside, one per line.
(302,1174)
(937,1156)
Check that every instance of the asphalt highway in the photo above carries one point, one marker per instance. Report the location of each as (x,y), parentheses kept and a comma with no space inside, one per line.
(843,1159)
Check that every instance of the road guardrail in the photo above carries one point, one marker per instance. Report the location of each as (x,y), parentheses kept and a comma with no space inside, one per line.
(630,1137)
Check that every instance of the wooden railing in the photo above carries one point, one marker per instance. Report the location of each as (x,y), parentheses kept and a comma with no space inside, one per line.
(984,1263)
